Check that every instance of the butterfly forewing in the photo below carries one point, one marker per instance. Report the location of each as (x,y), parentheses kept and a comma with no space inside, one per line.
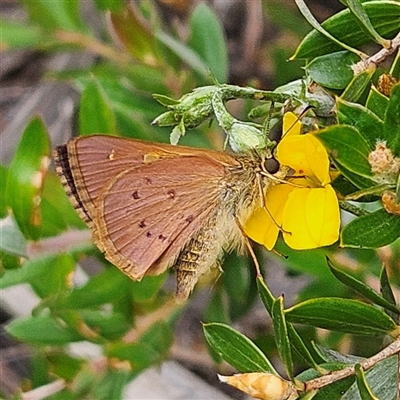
(146,214)
(144,201)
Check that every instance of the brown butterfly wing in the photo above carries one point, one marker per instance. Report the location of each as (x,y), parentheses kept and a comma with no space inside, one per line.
(146,214)
(86,164)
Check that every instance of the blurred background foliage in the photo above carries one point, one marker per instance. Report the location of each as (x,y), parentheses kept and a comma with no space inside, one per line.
(134,50)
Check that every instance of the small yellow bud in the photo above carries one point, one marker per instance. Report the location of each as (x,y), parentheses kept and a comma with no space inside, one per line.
(262,385)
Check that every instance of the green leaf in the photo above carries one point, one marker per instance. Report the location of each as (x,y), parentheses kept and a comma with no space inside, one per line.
(49,273)
(217,309)
(266,295)
(361,118)
(151,348)
(333,70)
(208,40)
(281,336)
(343,315)
(387,292)
(134,34)
(236,349)
(365,390)
(25,178)
(371,231)
(139,355)
(382,379)
(391,127)
(111,385)
(159,337)
(54,277)
(56,206)
(64,365)
(95,113)
(361,288)
(112,5)
(317,26)
(147,288)
(333,356)
(240,285)
(52,15)
(3,186)
(110,326)
(105,287)
(300,348)
(12,240)
(42,330)
(361,16)
(357,86)
(377,103)
(359,181)
(384,17)
(185,53)
(348,147)
(14,35)
(295,340)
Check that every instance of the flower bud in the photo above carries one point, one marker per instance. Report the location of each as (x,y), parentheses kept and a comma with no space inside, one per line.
(243,136)
(261,385)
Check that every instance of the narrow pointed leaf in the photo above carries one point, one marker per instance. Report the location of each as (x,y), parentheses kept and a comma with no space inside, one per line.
(361,16)
(377,103)
(26,176)
(281,336)
(343,315)
(134,34)
(387,292)
(382,379)
(95,113)
(384,17)
(42,330)
(53,15)
(371,231)
(391,128)
(363,387)
(266,296)
(236,349)
(358,84)
(209,43)
(361,288)
(319,28)
(185,53)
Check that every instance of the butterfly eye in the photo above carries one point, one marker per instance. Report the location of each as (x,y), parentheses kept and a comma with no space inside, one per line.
(271,165)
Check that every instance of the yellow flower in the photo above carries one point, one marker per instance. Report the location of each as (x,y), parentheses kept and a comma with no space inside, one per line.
(306,208)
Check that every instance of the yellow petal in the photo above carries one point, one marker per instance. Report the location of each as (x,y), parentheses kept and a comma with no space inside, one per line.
(291,125)
(311,218)
(260,227)
(306,155)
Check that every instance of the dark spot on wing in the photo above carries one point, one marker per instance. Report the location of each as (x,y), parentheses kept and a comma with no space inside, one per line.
(149,234)
(142,224)
(135,195)
(148,181)
(162,238)
(189,219)
(171,193)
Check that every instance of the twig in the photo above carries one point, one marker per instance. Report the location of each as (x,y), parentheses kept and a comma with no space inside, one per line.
(318,383)
(379,57)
